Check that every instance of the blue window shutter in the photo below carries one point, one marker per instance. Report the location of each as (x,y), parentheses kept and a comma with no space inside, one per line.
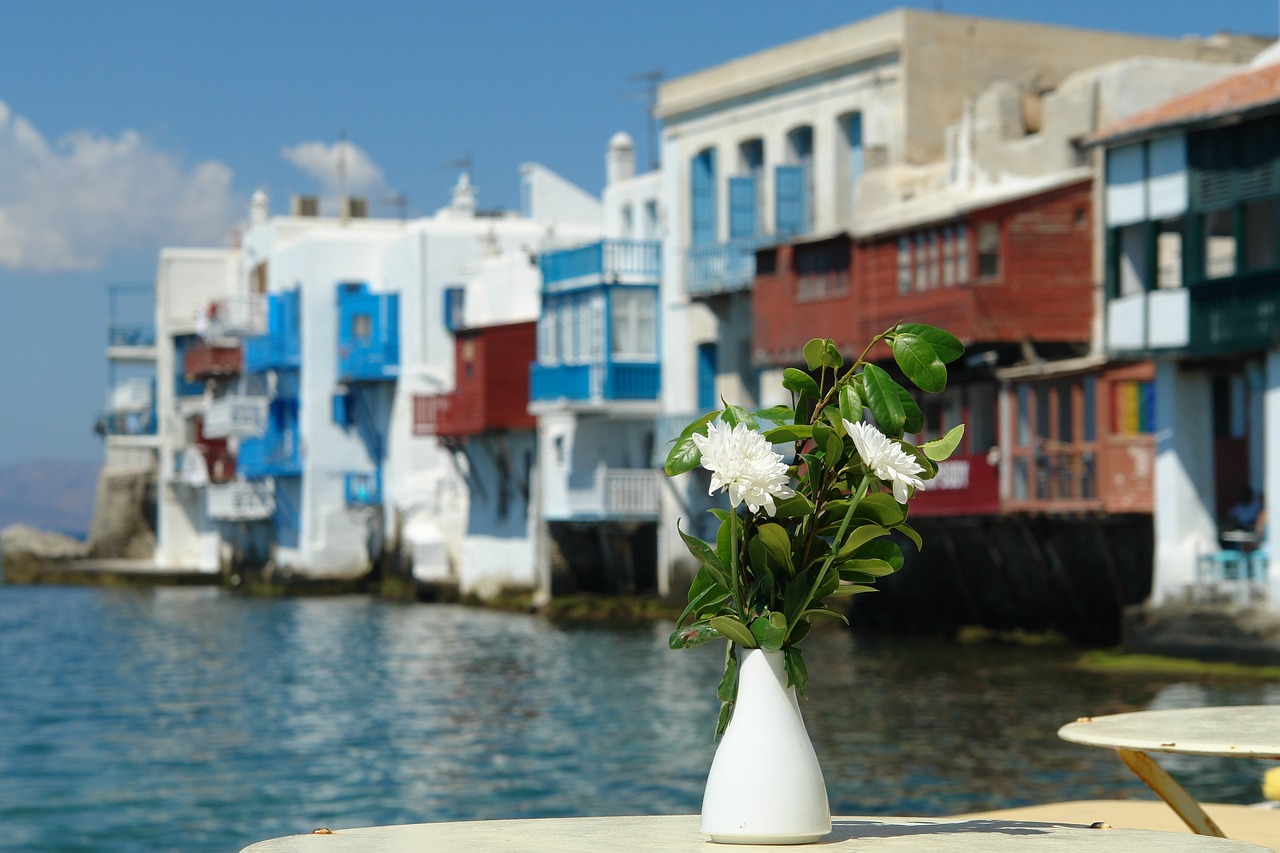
(703,201)
(706,376)
(742,207)
(789,199)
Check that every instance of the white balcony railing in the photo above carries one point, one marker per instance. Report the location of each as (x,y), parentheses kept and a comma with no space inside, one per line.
(242,315)
(240,501)
(241,417)
(618,493)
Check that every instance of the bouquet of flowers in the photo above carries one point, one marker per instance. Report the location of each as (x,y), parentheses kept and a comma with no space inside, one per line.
(817,525)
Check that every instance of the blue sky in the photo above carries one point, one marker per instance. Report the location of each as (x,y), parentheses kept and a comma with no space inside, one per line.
(130,125)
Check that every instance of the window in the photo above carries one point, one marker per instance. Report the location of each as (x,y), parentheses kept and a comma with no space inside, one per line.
(362,327)
(1169,253)
(1259,234)
(822,269)
(800,154)
(904,264)
(746,207)
(1132,274)
(922,263)
(948,257)
(851,164)
(962,253)
(1054,458)
(988,249)
(633,317)
(1219,244)
(628,222)
(547,346)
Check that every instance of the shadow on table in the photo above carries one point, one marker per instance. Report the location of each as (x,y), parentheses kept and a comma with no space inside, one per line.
(846,829)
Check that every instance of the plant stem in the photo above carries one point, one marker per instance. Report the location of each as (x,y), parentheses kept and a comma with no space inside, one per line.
(844,525)
(735,584)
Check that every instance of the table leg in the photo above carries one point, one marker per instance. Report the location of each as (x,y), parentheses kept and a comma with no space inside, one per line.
(1183,804)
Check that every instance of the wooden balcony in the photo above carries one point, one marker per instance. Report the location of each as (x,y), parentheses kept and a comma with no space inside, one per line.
(209,361)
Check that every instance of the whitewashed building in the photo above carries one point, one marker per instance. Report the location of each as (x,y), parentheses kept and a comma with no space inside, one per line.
(287,436)
(595,391)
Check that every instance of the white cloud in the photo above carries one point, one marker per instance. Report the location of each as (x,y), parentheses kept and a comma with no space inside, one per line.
(329,165)
(70,204)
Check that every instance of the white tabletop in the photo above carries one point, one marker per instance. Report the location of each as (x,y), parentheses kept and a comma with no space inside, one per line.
(675,833)
(1251,731)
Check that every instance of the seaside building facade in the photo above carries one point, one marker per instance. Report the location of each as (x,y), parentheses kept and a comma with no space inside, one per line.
(1191,191)
(923,167)
(595,390)
(483,400)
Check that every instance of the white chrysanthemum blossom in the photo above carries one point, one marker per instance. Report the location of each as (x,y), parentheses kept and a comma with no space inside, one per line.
(742,461)
(886,459)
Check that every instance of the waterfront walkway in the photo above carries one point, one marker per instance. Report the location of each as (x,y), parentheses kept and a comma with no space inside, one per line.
(1255,824)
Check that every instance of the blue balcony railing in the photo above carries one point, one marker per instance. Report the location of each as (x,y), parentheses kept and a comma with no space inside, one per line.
(272,455)
(723,267)
(608,261)
(601,382)
(565,381)
(281,347)
(131,335)
(362,489)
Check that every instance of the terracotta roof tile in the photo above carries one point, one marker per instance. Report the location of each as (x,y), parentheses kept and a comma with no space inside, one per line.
(1256,87)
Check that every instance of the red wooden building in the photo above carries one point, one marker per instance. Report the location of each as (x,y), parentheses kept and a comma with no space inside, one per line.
(491,384)
(1013,280)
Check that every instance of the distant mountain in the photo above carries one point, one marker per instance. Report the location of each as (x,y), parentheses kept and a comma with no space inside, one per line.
(52,495)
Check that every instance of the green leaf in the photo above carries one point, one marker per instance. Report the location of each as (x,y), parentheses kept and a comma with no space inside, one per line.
(883,400)
(727,690)
(910,533)
(946,345)
(940,448)
(705,591)
(853,589)
(777,414)
(880,508)
(693,635)
(731,629)
(776,542)
(796,506)
(799,630)
(861,535)
(913,418)
(919,361)
(797,673)
(700,424)
(683,456)
(885,550)
(850,403)
(829,614)
(722,721)
(734,415)
(705,555)
(822,352)
(788,432)
(770,631)
(874,567)
(800,382)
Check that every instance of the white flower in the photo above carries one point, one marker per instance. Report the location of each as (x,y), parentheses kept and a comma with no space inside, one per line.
(886,459)
(744,462)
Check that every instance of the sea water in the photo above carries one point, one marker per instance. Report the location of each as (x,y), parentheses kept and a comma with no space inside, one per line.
(195,720)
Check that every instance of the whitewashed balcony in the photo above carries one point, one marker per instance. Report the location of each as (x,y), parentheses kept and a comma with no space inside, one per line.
(241,417)
(243,315)
(240,501)
(617,494)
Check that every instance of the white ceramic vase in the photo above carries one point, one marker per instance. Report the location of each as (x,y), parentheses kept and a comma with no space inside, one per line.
(765,785)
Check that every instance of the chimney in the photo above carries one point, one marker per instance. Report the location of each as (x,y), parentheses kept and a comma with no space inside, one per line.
(305,205)
(620,162)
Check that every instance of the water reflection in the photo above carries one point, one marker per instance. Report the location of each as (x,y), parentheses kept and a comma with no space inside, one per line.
(187,719)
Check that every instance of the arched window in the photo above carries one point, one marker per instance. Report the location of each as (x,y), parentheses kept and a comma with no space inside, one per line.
(850,165)
(793,205)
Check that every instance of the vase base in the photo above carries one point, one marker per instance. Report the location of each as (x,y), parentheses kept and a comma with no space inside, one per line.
(807,838)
